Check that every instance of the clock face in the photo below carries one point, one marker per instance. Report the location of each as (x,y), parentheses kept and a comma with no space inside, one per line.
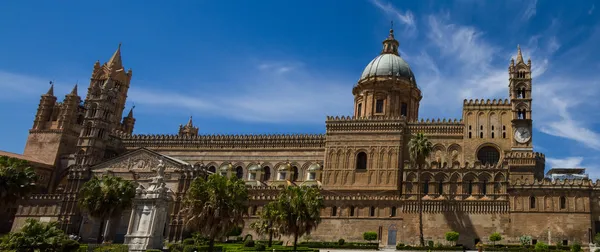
(522,135)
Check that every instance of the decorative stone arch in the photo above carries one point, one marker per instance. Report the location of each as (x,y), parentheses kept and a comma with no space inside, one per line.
(487,155)
(455,181)
(411,179)
(437,155)
(426,176)
(236,171)
(361,160)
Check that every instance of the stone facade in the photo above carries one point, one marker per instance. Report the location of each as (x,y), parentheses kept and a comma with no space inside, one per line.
(482,176)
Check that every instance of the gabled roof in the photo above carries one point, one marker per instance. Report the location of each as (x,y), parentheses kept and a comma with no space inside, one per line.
(141,153)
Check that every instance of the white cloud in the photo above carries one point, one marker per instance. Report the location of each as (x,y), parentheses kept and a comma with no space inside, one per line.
(592,9)
(569,162)
(531,10)
(406,18)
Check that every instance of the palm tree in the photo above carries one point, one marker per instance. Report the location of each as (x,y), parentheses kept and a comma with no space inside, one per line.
(105,198)
(17,180)
(419,149)
(269,222)
(299,210)
(215,206)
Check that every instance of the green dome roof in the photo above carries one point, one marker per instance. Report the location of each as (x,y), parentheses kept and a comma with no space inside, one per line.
(387,64)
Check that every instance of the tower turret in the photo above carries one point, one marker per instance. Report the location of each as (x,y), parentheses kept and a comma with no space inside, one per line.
(45,110)
(128,122)
(189,129)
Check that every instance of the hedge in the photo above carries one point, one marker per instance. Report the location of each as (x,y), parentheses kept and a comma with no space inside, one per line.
(345,245)
(401,246)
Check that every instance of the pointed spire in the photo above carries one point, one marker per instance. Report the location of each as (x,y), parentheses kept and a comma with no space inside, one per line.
(51,90)
(519,55)
(74,91)
(130,115)
(190,123)
(115,60)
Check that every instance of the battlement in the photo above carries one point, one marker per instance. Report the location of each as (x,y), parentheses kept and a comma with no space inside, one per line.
(371,124)
(226,141)
(536,155)
(556,184)
(438,127)
(479,104)
(364,118)
(438,121)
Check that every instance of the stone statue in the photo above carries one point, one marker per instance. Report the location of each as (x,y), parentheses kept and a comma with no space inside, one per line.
(160,171)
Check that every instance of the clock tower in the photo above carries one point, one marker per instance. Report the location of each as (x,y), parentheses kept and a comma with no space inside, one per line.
(520,97)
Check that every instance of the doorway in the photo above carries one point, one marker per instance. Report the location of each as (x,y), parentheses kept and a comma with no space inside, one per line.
(392,232)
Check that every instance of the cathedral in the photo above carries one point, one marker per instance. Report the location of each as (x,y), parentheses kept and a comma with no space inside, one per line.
(482,176)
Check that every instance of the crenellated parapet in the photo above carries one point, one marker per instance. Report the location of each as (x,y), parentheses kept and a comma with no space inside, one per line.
(438,127)
(478,104)
(309,141)
(370,124)
(555,184)
(524,158)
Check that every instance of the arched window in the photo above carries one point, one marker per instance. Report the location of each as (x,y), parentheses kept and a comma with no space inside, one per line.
(404,109)
(359,110)
(532,202)
(563,202)
(488,155)
(266,173)
(379,106)
(393,212)
(426,187)
(294,173)
(239,172)
(212,169)
(484,187)
(88,129)
(254,208)
(352,211)
(470,187)
(372,212)
(441,187)
(361,161)
(333,211)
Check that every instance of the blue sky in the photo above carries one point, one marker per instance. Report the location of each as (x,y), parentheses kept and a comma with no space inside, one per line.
(281,66)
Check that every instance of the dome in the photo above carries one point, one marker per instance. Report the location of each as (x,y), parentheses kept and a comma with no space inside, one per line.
(387,64)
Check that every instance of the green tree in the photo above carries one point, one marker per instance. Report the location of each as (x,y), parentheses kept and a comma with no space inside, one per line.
(268,222)
(370,236)
(17,180)
(495,237)
(214,206)
(597,239)
(541,246)
(299,210)
(452,237)
(419,148)
(38,236)
(104,199)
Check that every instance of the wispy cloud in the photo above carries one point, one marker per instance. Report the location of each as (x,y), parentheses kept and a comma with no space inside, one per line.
(279,92)
(569,162)
(592,9)
(406,18)
(531,10)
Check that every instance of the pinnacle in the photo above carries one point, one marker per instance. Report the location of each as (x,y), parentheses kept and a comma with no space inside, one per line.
(130,115)
(115,60)
(51,90)
(190,123)
(519,55)
(74,91)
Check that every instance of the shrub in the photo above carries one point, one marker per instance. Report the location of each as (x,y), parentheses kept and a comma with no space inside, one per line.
(525,240)
(70,246)
(235,231)
(576,247)
(83,248)
(495,237)
(154,250)
(260,247)
(249,243)
(541,246)
(597,250)
(452,236)
(112,248)
(370,236)
(248,236)
(430,244)
(341,242)
(400,246)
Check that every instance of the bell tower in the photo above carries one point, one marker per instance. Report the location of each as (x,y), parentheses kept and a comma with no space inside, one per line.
(520,97)
(104,104)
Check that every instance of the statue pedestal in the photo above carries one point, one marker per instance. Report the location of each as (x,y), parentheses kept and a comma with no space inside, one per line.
(148,216)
